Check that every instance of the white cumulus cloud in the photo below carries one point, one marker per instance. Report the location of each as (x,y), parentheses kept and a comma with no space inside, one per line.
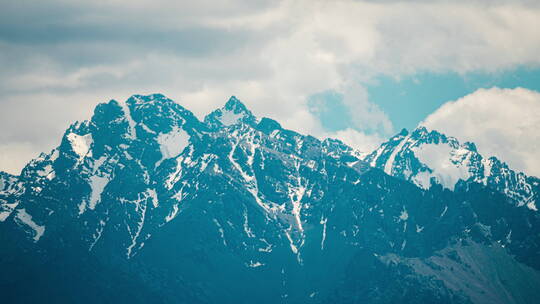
(504,123)
(361,141)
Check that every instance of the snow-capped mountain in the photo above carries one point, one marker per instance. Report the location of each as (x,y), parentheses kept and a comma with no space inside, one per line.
(425,157)
(145,203)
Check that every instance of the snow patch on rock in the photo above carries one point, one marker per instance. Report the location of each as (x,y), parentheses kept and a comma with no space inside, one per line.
(439,158)
(80,144)
(24,218)
(229,118)
(132,133)
(390,163)
(173,143)
(97,184)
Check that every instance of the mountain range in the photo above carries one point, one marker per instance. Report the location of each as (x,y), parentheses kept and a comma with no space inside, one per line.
(145,203)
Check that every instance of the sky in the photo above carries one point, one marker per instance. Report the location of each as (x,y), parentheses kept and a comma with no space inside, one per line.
(359,71)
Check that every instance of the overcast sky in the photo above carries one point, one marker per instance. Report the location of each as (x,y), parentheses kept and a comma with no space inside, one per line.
(320,67)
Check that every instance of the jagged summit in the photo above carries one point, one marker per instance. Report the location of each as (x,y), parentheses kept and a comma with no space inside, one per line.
(403,132)
(234,104)
(232,113)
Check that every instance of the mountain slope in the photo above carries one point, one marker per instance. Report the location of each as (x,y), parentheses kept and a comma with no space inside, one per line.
(153,205)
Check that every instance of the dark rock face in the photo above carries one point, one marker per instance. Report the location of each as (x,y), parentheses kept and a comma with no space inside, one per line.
(145,203)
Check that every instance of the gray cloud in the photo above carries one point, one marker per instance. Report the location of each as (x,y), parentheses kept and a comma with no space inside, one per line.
(59,58)
(191,41)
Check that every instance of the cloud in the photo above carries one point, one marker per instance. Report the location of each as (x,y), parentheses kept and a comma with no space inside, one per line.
(59,58)
(14,156)
(359,140)
(502,122)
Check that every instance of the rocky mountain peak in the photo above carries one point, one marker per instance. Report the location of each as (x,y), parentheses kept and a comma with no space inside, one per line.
(196,212)
(232,113)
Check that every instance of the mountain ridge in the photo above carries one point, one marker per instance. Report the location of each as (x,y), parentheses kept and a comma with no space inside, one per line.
(456,162)
(146,189)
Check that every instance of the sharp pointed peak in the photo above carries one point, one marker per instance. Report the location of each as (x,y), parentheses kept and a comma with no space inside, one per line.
(404,132)
(233,112)
(234,104)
